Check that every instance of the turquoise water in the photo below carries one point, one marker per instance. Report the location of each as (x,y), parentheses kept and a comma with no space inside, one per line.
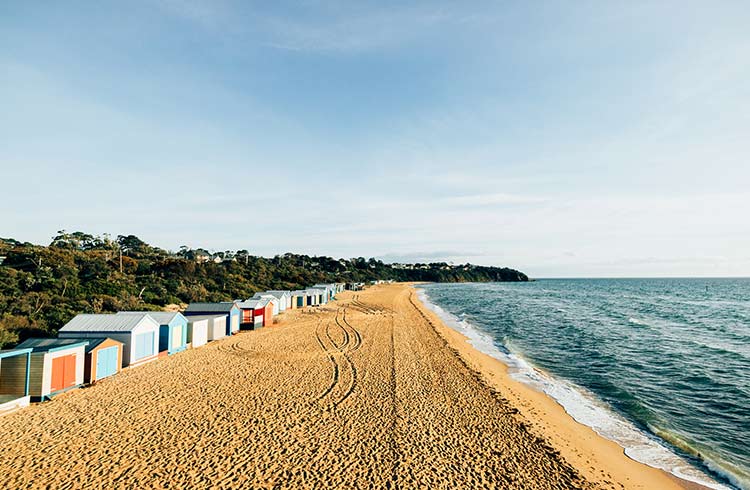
(662,366)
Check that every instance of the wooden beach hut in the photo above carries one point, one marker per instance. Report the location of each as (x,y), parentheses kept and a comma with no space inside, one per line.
(253,313)
(216,325)
(321,295)
(103,359)
(138,332)
(299,298)
(228,308)
(57,365)
(284,297)
(15,365)
(197,331)
(330,290)
(173,329)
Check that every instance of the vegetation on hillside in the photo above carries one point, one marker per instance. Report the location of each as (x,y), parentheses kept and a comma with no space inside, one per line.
(43,287)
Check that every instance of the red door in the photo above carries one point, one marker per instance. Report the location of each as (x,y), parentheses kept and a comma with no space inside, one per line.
(63,373)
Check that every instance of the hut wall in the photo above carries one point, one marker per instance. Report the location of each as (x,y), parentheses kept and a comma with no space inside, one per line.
(13,375)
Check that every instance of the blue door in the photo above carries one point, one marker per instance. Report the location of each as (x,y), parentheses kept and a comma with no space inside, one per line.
(144,345)
(106,362)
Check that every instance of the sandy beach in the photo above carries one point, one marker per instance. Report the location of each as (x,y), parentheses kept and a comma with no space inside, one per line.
(370,391)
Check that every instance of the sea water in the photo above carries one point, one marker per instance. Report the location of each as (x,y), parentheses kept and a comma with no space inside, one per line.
(660,366)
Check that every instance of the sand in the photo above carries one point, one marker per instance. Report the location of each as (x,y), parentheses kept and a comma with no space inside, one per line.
(370,391)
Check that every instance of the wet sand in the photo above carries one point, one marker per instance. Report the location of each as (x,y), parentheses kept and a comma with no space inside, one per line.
(370,391)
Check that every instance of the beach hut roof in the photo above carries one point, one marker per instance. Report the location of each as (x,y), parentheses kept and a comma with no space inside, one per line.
(252,303)
(14,352)
(298,292)
(51,345)
(94,343)
(163,317)
(266,296)
(106,323)
(279,294)
(195,318)
(224,307)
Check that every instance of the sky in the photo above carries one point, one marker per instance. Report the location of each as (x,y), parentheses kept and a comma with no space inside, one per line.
(564,139)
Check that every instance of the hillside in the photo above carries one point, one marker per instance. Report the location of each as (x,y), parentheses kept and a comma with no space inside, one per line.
(42,287)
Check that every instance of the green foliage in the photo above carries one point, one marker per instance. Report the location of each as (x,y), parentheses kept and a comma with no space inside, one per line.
(42,288)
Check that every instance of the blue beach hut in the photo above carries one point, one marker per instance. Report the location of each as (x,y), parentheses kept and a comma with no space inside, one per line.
(173,329)
(226,308)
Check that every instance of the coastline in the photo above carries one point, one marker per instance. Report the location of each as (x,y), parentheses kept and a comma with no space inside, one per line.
(369,391)
(590,453)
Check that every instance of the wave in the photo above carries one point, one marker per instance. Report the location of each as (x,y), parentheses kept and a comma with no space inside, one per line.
(585,407)
(636,321)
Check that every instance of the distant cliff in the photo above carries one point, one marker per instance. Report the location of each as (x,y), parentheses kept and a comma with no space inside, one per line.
(42,287)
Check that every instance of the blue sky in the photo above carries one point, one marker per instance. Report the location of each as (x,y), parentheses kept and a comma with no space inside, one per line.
(560,138)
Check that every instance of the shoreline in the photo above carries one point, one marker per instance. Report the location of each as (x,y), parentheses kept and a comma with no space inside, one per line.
(585,449)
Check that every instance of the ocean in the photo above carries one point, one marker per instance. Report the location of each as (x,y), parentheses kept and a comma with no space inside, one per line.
(660,366)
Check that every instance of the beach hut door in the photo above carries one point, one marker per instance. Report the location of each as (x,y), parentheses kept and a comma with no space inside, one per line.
(63,372)
(106,362)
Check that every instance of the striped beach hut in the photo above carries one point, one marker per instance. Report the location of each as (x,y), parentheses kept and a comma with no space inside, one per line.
(138,332)
(103,359)
(56,366)
(252,313)
(284,297)
(228,308)
(15,365)
(216,325)
(197,331)
(173,329)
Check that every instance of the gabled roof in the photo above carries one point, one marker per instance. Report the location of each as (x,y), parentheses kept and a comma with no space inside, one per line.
(279,294)
(193,318)
(225,307)
(252,303)
(267,296)
(161,317)
(106,323)
(14,352)
(298,292)
(51,345)
(315,290)
(94,343)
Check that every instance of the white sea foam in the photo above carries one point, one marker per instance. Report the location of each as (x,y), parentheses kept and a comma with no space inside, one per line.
(636,321)
(579,403)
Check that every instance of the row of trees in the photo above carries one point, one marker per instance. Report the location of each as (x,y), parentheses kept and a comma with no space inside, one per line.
(43,287)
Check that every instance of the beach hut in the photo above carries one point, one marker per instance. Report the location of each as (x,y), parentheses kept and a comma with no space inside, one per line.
(253,313)
(274,300)
(138,332)
(228,308)
(329,288)
(299,298)
(103,359)
(56,365)
(284,297)
(197,331)
(216,325)
(15,365)
(321,295)
(173,329)
(267,310)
